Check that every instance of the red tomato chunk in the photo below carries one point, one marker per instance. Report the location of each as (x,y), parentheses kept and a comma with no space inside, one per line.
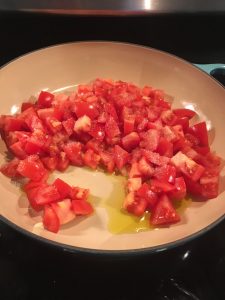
(118,127)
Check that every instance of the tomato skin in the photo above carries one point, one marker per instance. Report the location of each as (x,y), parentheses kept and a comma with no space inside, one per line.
(184,112)
(82,108)
(26,105)
(164,213)
(200,131)
(45,99)
(46,194)
(13,124)
(50,219)
(10,169)
(50,162)
(18,150)
(165,148)
(130,141)
(184,122)
(63,188)
(81,207)
(32,168)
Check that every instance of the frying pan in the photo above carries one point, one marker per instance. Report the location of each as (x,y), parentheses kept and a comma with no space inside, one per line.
(61,68)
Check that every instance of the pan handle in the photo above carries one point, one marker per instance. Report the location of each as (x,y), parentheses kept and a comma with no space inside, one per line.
(211,68)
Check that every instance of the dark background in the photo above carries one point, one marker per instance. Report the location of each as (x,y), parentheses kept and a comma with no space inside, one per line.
(31,270)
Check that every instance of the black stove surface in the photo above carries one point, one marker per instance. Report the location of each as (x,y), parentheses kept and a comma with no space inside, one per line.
(32,270)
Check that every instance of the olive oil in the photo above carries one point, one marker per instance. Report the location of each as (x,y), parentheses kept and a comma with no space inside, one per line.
(120,221)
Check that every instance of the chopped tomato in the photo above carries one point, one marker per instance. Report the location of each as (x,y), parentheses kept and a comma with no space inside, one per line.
(166,173)
(107,160)
(45,99)
(10,169)
(13,124)
(81,207)
(63,210)
(145,168)
(73,151)
(91,159)
(164,213)
(97,131)
(121,157)
(145,192)
(111,128)
(184,112)
(128,124)
(18,150)
(32,168)
(201,133)
(187,166)
(63,162)
(82,108)
(165,148)
(150,140)
(63,188)
(46,194)
(161,186)
(133,184)
(180,189)
(50,219)
(130,141)
(50,162)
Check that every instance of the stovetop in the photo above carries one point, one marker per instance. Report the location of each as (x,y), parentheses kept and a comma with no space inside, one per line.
(32,270)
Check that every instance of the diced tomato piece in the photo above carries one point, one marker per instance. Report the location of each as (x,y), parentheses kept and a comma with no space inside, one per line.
(135,205)
(165,148)
(150,140)
(168,117)
(187,166)
(63,210)
(79,193)
(53,124)
(63,188)
(202,150)
(91,159)
(68,126)
(45,99)
(128,124)
(164,213)
(121,157)
(133,184)
(145,168)
(31,196)
(82,108)
(180,189)
(107,159)
(161,186)
(200,131)
(155,158)
(184,122)
(9,169)
(166,173)
(50,219)
(63,161)
(50,162)
(110,109)
(95,145)
(32,148)
(32,168)
(134,170)
(97,131)
(13,124)
(184,112)
(73,151)
(46,194)
(18,150)
(83,124)
(130,141)
(210,183)
(145,192)
(31,119)
(111,128)
(26,105)
(81,207)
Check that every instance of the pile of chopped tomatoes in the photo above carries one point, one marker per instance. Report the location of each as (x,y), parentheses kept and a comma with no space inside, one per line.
(118,127)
